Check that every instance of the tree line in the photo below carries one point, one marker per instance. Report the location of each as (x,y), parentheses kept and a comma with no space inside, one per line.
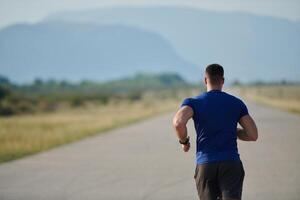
(48,95)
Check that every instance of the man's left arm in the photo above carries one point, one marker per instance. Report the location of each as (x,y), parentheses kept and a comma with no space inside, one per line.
(179,123)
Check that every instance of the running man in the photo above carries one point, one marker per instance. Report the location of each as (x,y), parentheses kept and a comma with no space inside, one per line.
(219,172)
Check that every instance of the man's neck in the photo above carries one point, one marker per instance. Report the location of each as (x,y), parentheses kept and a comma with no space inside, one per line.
(210,88)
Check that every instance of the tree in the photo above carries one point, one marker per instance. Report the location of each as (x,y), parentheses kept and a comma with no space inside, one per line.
(38,82)
(236,82)
(4,80)
(4,92)
(4,87)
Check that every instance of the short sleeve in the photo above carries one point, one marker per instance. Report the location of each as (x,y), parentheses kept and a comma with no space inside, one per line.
(188,102)
(244,110)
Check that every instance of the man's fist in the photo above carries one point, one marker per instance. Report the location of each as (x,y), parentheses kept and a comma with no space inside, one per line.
(186,147)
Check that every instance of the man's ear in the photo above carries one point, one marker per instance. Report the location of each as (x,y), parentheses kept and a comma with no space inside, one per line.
(205,80)
(223,81)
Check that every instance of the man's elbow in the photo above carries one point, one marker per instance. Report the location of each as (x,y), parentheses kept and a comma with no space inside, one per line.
(178,125)
(254,136)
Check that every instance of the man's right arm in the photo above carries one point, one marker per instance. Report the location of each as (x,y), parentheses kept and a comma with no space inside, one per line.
(249,129)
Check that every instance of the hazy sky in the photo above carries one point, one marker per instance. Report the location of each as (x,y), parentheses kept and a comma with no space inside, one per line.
(14,11)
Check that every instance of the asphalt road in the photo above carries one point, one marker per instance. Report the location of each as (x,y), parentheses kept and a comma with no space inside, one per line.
(144,162)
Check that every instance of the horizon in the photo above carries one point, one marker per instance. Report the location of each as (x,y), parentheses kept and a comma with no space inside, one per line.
(147,74)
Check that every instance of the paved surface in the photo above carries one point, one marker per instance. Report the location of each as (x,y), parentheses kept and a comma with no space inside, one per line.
(144,162)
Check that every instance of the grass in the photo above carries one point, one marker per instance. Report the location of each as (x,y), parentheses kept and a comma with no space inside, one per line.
(286,97)
(29,134)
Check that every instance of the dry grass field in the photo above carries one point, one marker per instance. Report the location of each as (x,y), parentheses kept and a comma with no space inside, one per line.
(285,97)
(28,134)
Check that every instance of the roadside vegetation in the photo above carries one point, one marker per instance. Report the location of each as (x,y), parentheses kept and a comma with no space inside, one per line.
(45,114)
(285,96)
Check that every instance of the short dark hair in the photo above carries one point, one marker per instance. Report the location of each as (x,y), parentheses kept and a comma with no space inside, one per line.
(215,72)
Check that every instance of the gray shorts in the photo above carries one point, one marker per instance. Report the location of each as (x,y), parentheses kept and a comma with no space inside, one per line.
(220,180)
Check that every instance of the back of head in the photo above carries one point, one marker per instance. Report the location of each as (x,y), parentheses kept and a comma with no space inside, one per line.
(215,74)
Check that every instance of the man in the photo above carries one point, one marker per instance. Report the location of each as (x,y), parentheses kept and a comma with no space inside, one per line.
(219,171)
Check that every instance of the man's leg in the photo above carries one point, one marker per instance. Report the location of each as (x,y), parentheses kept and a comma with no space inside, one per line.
(207,181)
(231,176)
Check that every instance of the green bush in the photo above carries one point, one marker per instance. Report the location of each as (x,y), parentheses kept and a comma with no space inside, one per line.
(6,110)
(4,92)
(76,102)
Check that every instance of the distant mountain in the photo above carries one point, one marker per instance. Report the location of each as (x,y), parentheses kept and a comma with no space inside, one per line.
(250,47)
(76,51)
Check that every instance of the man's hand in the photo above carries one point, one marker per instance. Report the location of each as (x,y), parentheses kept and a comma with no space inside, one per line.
(186,147)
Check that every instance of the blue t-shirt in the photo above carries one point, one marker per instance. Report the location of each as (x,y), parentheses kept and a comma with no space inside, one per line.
(216,115)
